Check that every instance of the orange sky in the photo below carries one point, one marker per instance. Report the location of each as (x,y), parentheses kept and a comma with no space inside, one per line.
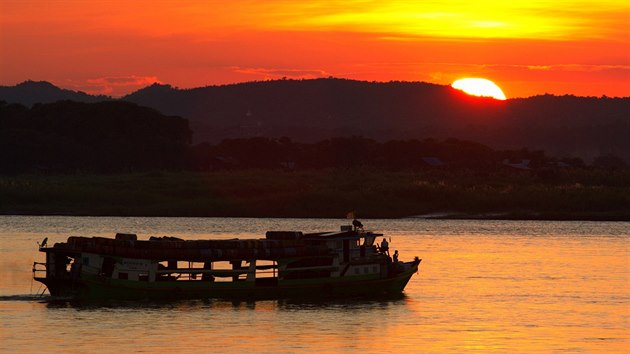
(114,47)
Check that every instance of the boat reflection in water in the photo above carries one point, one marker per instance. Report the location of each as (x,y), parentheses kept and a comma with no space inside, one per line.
(283,264)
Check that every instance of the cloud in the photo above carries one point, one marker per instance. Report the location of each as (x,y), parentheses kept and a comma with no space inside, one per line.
(115,85)
(445,71)
(539,67)
(575,67)
(282,73)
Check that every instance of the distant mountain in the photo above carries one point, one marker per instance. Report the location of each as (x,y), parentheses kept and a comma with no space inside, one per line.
(31,92)
(312,110)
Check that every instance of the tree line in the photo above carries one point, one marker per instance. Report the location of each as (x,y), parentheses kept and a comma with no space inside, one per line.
(118,136)
(68,136)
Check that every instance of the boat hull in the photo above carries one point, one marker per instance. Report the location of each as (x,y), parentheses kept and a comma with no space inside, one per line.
(95,288)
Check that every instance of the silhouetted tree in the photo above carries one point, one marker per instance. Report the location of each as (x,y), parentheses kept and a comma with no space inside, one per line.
(609,162)
(99,137)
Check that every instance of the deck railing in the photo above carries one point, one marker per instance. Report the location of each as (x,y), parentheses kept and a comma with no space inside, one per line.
(39,267)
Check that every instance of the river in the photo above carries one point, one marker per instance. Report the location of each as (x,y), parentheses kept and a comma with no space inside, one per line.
(483,286)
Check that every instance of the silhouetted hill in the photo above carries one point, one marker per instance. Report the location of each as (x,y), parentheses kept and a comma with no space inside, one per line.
(31,92)
(313,110)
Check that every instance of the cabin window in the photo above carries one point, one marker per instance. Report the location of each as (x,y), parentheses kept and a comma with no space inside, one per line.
(143,277)
(123,276)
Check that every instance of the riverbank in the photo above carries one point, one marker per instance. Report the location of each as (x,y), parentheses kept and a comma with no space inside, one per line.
(561,195)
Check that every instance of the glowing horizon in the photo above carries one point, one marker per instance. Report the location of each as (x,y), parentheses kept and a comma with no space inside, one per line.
(104,47)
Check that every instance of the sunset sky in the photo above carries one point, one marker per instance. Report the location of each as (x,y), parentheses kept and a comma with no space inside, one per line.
(115,47)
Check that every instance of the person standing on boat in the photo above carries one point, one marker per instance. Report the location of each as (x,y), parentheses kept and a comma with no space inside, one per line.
(357,225)
(395,256)
(385,247)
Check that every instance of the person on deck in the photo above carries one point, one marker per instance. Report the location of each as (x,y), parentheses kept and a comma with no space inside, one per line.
(395,256)
(357,225)
(385,247)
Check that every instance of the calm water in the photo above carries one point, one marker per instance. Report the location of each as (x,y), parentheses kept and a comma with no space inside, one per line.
(483,286)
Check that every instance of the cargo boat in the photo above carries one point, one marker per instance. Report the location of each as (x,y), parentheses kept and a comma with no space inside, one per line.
(348,262)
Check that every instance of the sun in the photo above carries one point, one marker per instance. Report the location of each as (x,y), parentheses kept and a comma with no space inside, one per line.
(479,87)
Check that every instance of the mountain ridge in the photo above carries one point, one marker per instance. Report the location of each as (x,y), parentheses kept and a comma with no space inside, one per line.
(315,109)
(30,92)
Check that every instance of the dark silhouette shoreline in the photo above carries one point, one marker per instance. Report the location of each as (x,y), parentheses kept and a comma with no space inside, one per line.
(571,195)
